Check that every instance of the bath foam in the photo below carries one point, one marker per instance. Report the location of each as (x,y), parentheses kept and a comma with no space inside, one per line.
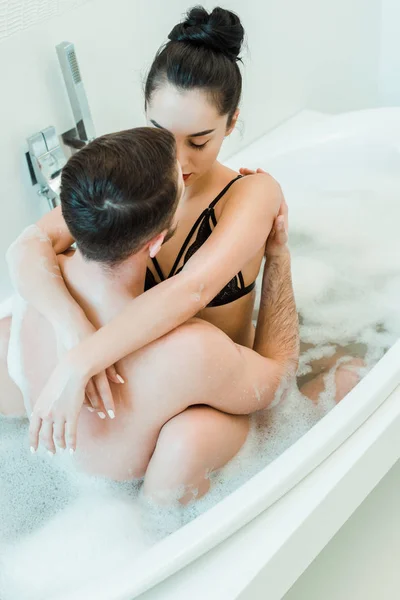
(91,536)
(56,521)
(314,353)
(356,297)
(31,489)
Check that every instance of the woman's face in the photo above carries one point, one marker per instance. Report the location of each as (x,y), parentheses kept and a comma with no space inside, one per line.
(180,186)
(194,121)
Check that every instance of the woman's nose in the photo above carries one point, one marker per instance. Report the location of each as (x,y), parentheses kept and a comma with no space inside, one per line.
(183,159)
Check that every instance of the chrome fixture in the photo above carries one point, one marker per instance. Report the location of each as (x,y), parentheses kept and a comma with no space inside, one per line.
(47,152)
(83,132)
(47,160)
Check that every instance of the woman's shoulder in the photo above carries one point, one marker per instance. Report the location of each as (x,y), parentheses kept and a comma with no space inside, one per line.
(259,181)
(261,188)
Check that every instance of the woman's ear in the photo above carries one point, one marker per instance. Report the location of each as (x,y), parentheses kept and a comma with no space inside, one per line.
(233,123)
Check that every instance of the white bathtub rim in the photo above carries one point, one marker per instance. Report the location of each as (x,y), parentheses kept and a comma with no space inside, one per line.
(310,129)
(259,493)
(294,530)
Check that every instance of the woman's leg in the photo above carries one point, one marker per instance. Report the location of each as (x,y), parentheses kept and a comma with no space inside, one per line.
(347,373)
(191,445)
(11,401)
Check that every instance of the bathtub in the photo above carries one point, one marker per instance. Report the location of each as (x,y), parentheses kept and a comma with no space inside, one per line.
(266,533)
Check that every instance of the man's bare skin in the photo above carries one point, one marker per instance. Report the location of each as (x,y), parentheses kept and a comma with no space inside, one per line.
(172,409)
(171,414)
(183,408)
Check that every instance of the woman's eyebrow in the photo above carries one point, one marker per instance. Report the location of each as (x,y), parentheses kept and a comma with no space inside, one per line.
(156,124)
(198,134)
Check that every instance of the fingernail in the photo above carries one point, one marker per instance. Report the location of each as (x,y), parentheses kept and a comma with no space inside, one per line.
(90,408)
(71,451)
(101,415)
(50,453)
(33,450)
(111,414)
(120,379)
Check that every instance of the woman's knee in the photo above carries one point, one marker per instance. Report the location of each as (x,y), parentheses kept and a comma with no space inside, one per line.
(176,471)
(190,446)
(179,445)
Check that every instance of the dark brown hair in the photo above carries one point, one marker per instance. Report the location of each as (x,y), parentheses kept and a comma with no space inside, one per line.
(202,53)
(119,191)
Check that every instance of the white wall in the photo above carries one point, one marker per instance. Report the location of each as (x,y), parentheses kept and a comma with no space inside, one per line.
(318,54)
(390,54)
(315,53)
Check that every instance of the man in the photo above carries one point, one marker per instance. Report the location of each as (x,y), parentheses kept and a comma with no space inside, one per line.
(182,410)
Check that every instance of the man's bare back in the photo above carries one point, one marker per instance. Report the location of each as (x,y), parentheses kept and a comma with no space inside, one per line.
(196,364)
(182,409)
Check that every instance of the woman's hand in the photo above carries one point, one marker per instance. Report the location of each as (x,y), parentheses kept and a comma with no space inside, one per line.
(54,419)
(98,393)
(55,416)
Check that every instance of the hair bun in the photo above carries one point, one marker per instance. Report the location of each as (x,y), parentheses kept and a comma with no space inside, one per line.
(220,30)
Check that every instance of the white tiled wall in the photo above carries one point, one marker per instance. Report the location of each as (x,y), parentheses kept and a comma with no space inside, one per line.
(17,15)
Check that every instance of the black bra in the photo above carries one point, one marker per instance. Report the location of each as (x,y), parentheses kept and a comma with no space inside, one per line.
(204,225)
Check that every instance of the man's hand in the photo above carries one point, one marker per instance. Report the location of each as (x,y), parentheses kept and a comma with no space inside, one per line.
(244,171)
(278,238)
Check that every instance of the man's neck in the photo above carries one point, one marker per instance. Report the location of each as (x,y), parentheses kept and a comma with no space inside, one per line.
(125,279)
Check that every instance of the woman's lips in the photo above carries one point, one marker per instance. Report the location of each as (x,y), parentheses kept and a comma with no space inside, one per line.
(186,176)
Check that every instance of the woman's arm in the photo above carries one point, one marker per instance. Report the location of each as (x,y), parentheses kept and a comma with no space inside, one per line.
(33,266)
(239,234)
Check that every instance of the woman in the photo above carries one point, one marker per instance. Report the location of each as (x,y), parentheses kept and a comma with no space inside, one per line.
(208,268)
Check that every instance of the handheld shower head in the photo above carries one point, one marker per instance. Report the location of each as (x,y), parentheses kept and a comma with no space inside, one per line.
(76,92)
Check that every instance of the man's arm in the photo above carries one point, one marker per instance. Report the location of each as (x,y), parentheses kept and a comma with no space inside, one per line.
(272,363)
(277,334)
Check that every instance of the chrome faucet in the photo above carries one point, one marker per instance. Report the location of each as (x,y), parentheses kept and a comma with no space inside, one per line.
(45,155)
(47,160)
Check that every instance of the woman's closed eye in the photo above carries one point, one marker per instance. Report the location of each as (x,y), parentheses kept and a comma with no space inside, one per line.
(198,146)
